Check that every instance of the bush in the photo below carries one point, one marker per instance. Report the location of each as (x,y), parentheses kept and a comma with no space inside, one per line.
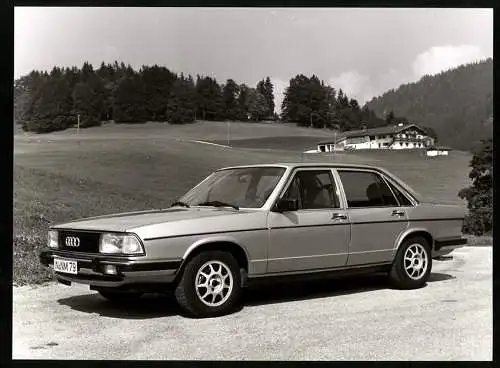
(479,195)
(89,121)
(46,125)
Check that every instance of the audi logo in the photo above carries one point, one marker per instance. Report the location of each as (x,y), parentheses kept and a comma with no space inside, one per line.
(72,241)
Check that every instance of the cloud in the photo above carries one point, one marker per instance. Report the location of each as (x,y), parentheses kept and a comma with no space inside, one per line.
(354,84)
(364,87)
(441,58)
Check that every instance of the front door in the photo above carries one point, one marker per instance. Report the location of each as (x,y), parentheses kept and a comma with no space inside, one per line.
(377,217)
(316,236)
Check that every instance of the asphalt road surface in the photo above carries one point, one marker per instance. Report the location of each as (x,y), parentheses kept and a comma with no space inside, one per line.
(341,319)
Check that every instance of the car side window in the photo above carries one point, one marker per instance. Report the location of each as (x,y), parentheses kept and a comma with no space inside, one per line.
(366,189)
(402,199)
(314,189)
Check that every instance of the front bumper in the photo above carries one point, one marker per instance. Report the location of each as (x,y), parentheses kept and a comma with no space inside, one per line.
(445,246)
(130,272)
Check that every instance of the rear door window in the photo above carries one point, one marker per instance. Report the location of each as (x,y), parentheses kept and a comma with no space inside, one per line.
(366,189)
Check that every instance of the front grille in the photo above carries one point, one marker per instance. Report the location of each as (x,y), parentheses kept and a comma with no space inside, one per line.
(87,241)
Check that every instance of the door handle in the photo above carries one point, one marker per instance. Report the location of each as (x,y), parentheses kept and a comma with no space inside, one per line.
(398,213)
(339,216)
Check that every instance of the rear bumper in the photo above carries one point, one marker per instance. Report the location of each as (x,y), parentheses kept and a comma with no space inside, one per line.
(445,246)
(130,272)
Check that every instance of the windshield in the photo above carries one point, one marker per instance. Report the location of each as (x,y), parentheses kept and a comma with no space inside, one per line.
(247,187)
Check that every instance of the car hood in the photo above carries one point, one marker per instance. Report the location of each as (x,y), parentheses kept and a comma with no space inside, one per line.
(131,221)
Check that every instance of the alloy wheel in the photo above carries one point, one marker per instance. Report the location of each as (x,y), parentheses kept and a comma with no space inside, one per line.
(416,261)
(214,283)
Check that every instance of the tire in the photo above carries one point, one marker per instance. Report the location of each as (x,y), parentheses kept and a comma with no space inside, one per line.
(119,296)
(413,263)
(222,280)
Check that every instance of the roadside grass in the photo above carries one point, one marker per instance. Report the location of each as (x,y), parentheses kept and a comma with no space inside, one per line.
(60,176)
(292,143)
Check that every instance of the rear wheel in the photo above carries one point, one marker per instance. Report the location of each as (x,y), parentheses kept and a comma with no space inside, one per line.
(412,266)
(210,284)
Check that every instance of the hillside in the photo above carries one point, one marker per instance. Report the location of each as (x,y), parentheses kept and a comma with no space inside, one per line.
(457,104)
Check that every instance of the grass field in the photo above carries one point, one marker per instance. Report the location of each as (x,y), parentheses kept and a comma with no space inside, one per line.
(62,176)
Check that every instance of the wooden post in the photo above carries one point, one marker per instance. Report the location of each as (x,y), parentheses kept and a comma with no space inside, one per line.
(228,134)
(78,125)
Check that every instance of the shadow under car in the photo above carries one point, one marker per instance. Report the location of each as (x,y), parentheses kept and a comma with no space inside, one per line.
(164,305)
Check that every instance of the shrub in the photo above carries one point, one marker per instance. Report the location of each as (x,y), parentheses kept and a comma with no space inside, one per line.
(89,121)
(479,195)
(46,125)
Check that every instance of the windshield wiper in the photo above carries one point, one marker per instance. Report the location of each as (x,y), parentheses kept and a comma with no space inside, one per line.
(218,204)
(180,203)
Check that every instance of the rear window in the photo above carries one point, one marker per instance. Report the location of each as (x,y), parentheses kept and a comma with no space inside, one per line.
(366,189)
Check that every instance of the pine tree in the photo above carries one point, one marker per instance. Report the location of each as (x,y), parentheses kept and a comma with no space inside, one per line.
(158,82)
(230,93)
(89,101)
(129,100)
(181,103)
(242,102)
(209,99)
(51,107)
(257,105)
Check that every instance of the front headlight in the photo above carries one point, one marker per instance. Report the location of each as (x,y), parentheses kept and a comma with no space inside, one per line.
(120,244)
(52,239)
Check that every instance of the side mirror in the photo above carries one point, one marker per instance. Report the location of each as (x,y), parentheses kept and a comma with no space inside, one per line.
(286,205)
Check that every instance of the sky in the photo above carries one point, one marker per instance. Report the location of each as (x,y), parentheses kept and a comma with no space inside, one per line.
(363,51)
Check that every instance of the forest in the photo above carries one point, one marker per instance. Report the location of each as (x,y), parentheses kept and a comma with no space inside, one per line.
(51,101)
(457,104)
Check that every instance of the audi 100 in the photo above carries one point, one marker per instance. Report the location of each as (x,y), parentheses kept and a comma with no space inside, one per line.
(260,222)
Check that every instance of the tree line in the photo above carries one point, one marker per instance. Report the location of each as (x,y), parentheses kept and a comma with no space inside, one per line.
(312,103)
(49,101)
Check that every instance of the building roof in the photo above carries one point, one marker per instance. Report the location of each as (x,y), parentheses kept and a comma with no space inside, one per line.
(392,129)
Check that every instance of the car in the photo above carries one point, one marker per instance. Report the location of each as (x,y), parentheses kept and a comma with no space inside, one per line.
(252,223)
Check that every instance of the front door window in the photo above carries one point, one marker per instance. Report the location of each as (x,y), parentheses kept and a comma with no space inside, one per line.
(313,190)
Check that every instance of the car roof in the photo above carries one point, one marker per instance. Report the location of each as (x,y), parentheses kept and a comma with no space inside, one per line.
(293,165)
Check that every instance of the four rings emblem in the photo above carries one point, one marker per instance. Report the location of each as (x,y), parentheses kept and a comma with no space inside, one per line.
(72,241)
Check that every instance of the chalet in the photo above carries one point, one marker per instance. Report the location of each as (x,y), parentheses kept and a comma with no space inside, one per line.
(409,136)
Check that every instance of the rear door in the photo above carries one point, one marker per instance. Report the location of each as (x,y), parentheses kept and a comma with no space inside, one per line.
(377,218)
(316,236)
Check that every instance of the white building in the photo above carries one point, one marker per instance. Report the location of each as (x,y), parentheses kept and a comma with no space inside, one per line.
(438,151)
(390,137)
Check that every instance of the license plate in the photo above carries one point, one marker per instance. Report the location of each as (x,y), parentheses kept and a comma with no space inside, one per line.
(65,266)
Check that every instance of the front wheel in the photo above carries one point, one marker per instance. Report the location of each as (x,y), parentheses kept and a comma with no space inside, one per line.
(412,266)
(210,284)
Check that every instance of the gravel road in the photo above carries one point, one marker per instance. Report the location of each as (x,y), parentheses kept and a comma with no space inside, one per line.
(340,319)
